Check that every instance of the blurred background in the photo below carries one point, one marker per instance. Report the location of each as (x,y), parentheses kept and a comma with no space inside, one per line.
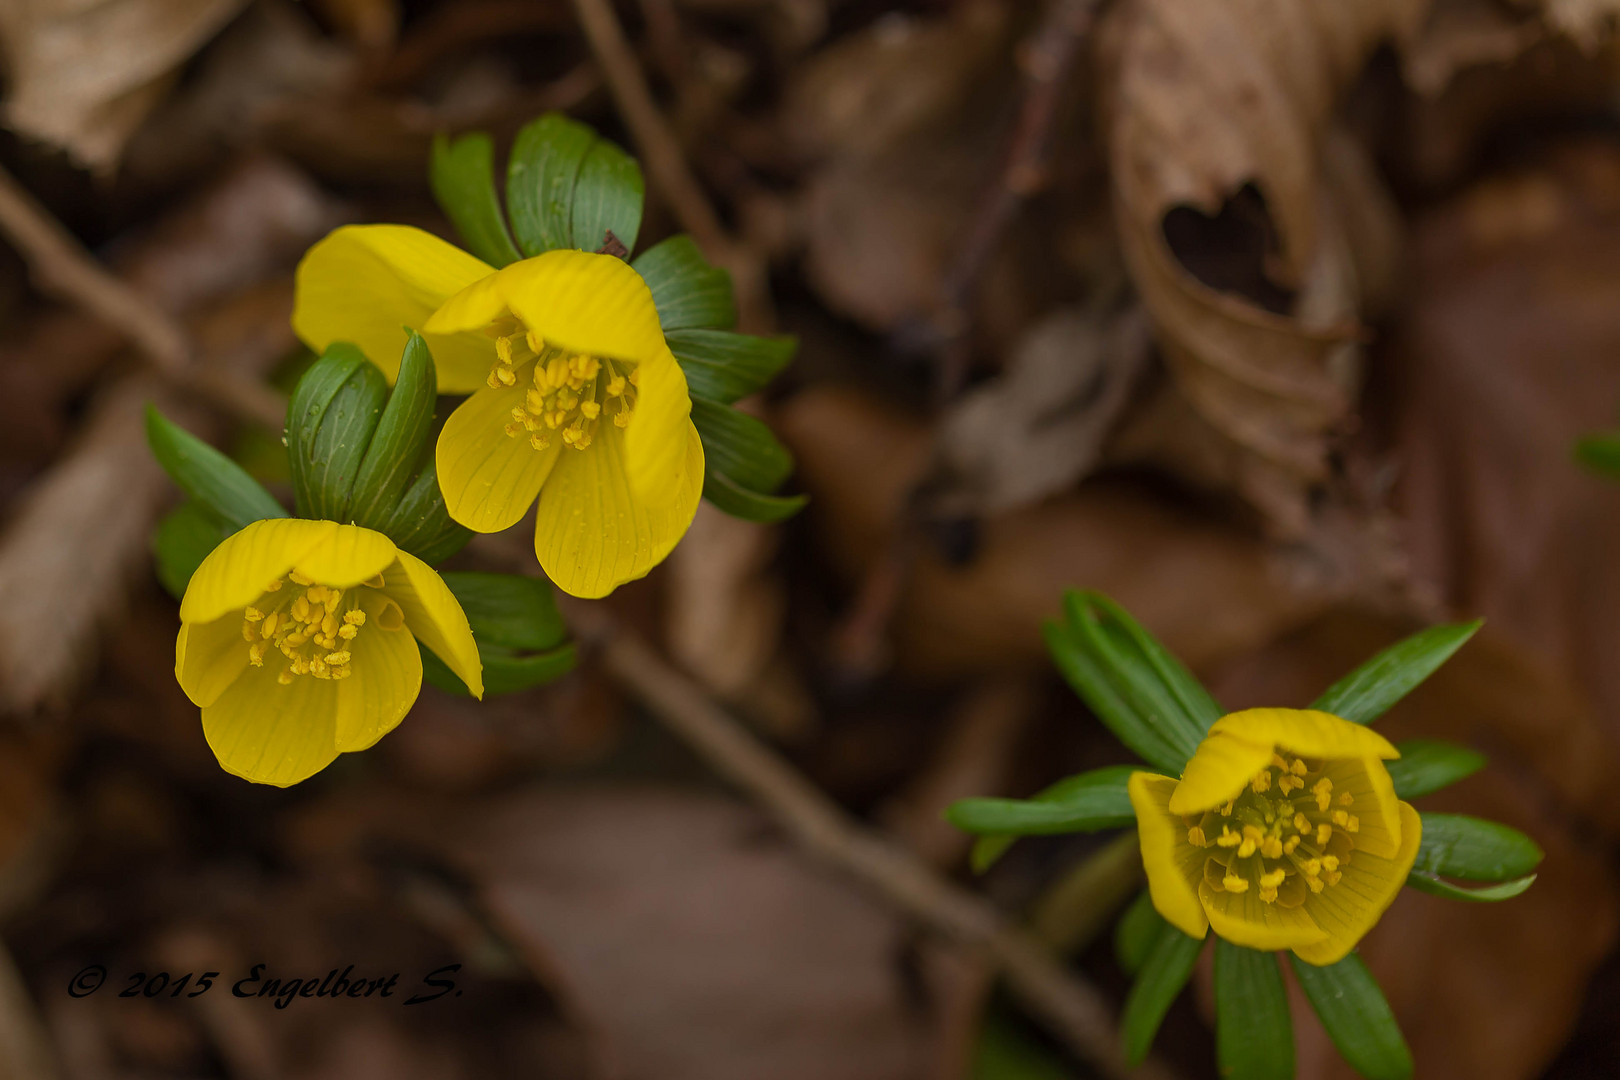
(1275,320)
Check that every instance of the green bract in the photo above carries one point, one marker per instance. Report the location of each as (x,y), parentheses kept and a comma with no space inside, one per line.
(1147,698)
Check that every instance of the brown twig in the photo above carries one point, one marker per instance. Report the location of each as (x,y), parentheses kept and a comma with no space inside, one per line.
(1046,58)
(1072,1009)
(61,265)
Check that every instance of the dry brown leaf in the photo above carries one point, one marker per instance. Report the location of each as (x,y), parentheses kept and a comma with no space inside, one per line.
(84,73)
(1218,115)
(1039,426)
(690,941)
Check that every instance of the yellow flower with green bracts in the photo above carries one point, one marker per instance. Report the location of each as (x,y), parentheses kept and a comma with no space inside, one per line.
(1284,832)
(576,400)
(298,642)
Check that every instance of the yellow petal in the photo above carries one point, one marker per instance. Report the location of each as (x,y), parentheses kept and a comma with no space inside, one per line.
(1174,867)
(489,478)
(1245,919)
(1306,732)
(1369,885)
(365,283)
(434,616)
(268,733)
(349,556)
(470,311)
(592,533)
(235,573)
(1368,782)
(1218,771)
(387,676)
(209,656)
(585,303)
(656,438)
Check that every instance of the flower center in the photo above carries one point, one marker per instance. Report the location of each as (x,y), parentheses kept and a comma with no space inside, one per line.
(1287,835)
(314,626)
(570,392)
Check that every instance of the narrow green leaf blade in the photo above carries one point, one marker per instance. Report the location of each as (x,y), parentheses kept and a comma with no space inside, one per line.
(1600,452)
(505,672)
(742,448)
(1473,849)
(540,180)
(734,499)
(181,541)
(462,172)
(420,523)
(1352,1008)
(1088,678)
(1427,765)
(1368,692)
(608,197)
(396,444)
(1137,931)
(723,366)
(690,294)
(1254,1036)
(1197,703)
(1165,970)
(506,610)
(1506,890)
(1154,701)
(209,477)
(1084,803)
(330,419)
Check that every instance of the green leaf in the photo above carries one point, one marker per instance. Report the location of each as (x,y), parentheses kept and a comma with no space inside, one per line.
(1352,1008)
(608,198)
(690,294)
(540,180)
(1004,1052)
(741,448)
(420,524)
(507,610)
(1473,849)
(1367,692)
(1137,932)
(522,639)
(1085,803)
(1168,965)
(334,410)
(209,477)
(181,541)
(1102,689)
(1507,890)
(463,177)
(396,444)
(1254,1037)
(1600,452)
(1427,765)
(1190,700)
(728,496)
(723,366)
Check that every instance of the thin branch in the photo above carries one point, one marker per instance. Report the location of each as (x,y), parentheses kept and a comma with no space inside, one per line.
(61,265)
(1072,1008)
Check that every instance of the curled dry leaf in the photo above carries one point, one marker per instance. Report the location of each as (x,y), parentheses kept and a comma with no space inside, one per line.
(690,942)
(1218,116)
(1039,426)
(84,75)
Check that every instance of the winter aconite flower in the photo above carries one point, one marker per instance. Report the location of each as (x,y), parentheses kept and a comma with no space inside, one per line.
(1283,832)
(576,397)
(298,641)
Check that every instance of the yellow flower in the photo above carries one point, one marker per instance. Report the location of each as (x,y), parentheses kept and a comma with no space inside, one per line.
(298,642)
(576,397)
(1284,832)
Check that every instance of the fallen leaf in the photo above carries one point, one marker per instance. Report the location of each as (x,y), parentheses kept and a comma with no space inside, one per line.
(693,943)
(84,73)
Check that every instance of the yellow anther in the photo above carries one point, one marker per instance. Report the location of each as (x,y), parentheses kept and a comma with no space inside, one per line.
(1315,883)
(1301,823)
(506,376)
(271,621)
(491,381)
(534,401)
(1278,761)
(621,419)
(300,609)
(635,377)
(339,657)
(1226,811)
(1273,879)
(256,653)
(536,343)
(347,631)
(503,349)
(300,579)
(358,617)
(286,676)
(1340,818)
(294,639)
(252,614)
(1228,838)
(1347,799)
(1312,867)
(274,586)
(1330,863)
(1298,767)
(315,594)
(1261,781)
(1289,846)
(1246,848)
(1287,782)
(1271,847)
(249,634)
(539,442)
(615,386)
(1195,837)
(590,409)
(1234,884)
(1352,824)
(1268,896)
(1324,832)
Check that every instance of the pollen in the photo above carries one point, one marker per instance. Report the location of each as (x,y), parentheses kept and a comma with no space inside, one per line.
(568,393)
(314,627)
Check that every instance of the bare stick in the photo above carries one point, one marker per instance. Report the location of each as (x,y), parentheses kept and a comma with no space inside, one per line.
(1073,1009)
(62,266)
(1046,59)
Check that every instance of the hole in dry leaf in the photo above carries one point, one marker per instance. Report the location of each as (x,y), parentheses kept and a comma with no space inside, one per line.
(1231,251)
